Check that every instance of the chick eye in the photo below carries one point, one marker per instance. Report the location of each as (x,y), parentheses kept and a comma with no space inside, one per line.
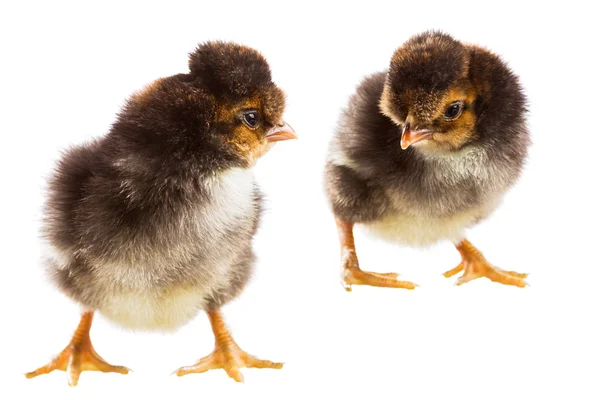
(251,118)
(454,110)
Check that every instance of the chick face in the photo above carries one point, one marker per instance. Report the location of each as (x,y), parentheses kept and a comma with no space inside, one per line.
(429,93)
(248,106)
(250,127)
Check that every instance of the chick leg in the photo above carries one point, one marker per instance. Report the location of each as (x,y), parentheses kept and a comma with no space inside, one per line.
(352,274)
(78,356)
(227,354)
(476,266)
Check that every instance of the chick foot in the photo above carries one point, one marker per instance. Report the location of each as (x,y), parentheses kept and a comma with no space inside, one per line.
(476,266)
(353,275)
(226,355)
(78,356)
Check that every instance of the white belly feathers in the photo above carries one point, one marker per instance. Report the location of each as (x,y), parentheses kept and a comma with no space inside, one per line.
(424,230)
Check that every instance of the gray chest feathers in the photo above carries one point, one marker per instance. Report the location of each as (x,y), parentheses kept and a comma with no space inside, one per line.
(456,191)
(162,283)
(199,242)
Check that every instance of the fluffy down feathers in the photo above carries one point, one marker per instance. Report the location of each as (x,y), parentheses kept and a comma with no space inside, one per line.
(154,221)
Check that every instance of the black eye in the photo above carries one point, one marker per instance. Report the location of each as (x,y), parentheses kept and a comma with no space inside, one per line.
(454,110)
(251,118)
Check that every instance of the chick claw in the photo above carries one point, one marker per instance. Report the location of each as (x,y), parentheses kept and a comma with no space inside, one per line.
(78,356)
(476,266)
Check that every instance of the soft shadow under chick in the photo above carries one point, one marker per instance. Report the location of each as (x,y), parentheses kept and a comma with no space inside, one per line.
(425,150)
(153,223)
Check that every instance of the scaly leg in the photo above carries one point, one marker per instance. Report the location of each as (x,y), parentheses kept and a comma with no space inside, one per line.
(352,274)
(227,354)
(78,356)
(476,266)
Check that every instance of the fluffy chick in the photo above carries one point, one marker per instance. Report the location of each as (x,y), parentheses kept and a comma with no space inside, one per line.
(153,223)
(425,150)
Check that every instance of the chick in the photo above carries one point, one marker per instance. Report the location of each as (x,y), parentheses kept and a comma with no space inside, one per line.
(153,223)
(424,151)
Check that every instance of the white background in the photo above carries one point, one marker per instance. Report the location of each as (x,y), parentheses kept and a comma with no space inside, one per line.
(67,68)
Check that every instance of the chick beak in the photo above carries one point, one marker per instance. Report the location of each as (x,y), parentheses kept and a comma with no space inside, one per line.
(281,132)
(411,137)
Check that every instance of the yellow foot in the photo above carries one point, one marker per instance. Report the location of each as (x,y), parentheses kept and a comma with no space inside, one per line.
(78,356)
(231,359)
(476,266)
(356,276)
(227,355)
(353,275)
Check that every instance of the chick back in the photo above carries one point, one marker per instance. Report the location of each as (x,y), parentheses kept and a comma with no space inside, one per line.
(147,253)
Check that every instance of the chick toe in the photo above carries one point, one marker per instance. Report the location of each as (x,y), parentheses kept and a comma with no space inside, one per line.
(454,270)
(514,273)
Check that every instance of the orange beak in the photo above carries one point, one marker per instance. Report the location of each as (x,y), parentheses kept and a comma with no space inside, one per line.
(281,132)
(411,137)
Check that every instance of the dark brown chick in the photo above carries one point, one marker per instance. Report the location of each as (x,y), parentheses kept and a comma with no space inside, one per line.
(154,222)
(426,150)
